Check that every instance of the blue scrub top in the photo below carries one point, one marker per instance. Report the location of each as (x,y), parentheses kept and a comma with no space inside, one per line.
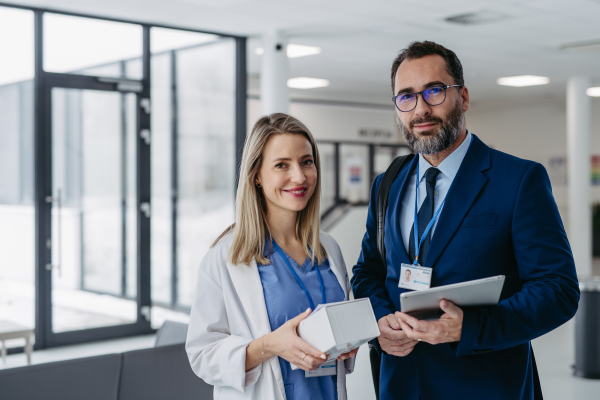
(285,300)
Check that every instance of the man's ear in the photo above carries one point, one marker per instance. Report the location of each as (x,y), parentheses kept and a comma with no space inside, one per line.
(464,94)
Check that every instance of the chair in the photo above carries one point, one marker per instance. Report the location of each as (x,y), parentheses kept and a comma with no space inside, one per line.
(162,373)
(91,378)
(171,332)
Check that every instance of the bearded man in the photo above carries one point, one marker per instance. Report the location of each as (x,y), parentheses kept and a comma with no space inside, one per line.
(488,213)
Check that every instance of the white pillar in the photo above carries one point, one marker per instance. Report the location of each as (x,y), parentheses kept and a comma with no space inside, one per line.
(274,92)
(578,156)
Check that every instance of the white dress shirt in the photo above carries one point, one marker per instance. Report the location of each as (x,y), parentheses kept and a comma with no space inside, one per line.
(448,169)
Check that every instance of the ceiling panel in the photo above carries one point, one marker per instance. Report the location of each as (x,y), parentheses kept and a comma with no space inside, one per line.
(359,39)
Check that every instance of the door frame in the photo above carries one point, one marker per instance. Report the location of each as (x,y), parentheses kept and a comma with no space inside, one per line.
(44,82)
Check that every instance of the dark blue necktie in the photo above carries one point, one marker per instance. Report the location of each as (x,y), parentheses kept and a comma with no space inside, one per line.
(424,216)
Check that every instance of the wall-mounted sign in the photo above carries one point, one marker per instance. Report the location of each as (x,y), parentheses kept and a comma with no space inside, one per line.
(375,133)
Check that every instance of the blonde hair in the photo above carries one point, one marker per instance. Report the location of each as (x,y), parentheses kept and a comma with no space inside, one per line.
(251,228)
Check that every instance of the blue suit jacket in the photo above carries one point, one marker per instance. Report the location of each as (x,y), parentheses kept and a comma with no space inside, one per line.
(499,218)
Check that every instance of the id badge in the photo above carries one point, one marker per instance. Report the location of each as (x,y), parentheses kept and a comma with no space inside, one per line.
(328,368)
(414,277)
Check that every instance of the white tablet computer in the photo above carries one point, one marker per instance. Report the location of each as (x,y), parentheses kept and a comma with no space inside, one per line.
(425,304)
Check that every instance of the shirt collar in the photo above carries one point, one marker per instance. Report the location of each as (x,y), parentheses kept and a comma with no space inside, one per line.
(449,167)
(269,248)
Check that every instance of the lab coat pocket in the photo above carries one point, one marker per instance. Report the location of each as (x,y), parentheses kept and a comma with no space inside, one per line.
(289,391)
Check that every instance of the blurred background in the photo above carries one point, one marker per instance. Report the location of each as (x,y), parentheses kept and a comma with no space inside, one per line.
(121,123)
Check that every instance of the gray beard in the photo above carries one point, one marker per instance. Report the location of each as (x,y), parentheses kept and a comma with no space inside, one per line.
(445,138)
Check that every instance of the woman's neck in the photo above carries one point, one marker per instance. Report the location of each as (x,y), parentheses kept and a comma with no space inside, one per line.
(282,224)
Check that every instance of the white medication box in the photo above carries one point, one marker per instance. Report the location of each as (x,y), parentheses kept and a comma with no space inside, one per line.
(337,328)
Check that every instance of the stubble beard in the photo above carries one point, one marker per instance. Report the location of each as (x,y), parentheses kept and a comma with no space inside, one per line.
(434,143)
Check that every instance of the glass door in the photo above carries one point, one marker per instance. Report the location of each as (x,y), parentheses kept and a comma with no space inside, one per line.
(95,217)
(94,279)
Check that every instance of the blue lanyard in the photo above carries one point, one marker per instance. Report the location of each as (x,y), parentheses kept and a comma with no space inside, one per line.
(287,262)
(435,216)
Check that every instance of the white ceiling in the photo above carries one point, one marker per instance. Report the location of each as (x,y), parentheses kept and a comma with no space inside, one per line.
(361,38)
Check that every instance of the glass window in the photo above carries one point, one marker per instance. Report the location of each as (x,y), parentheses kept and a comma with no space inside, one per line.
(161,179)
(17,229)
(206,157)
(96,49)
(193,119)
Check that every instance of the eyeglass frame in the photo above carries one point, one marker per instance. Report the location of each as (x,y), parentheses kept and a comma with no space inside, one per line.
(421,93)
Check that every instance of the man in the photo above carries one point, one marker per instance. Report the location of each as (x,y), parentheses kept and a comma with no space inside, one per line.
(498,218)
(407,275)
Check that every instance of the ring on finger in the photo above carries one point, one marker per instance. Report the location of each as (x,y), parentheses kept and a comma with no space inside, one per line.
(303,356)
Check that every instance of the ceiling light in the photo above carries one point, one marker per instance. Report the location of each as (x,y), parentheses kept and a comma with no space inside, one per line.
(523,80)
(593,91)
(294,50)
(307,83)
(298,50)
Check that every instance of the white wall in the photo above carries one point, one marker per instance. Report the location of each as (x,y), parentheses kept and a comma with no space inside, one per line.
(534,131)
(333,122)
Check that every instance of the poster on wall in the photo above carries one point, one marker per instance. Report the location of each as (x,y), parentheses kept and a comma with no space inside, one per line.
(355,167)
(595,170)
(558,171)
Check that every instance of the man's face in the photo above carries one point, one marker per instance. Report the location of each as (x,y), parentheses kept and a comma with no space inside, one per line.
(407,275)
(430,129)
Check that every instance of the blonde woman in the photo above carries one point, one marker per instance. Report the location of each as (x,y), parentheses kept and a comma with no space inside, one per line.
(265,273)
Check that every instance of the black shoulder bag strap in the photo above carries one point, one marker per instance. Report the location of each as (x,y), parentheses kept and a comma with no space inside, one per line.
(382,202)
(383,197)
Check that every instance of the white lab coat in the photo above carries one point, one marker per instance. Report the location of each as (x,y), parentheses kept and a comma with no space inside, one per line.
(229,312)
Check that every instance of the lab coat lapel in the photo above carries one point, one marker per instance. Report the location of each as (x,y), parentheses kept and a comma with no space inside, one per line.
(337,266)
(248,286)
(467,184)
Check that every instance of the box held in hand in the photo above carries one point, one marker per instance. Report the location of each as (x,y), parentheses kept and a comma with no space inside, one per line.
(337,328)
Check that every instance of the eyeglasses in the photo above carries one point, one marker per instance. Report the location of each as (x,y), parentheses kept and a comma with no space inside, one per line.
(434,96)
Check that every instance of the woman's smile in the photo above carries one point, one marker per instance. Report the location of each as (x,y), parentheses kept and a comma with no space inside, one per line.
(297,191)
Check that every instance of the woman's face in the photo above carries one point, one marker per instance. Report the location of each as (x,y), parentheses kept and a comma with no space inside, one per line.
(288,174)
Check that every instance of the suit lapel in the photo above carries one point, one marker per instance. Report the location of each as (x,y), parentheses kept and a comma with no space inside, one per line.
(392,215)
(467,184)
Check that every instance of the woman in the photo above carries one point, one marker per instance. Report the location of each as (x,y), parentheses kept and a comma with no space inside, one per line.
(265,273)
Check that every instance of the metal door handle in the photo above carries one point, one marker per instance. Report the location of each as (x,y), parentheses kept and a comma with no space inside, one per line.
(145,209)
(58,201)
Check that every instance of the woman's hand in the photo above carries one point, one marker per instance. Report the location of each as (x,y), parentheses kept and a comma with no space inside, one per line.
(346,356)
(285,343)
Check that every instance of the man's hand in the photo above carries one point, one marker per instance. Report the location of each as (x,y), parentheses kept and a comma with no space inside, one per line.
(445,330)
(348,355)
(392,339)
